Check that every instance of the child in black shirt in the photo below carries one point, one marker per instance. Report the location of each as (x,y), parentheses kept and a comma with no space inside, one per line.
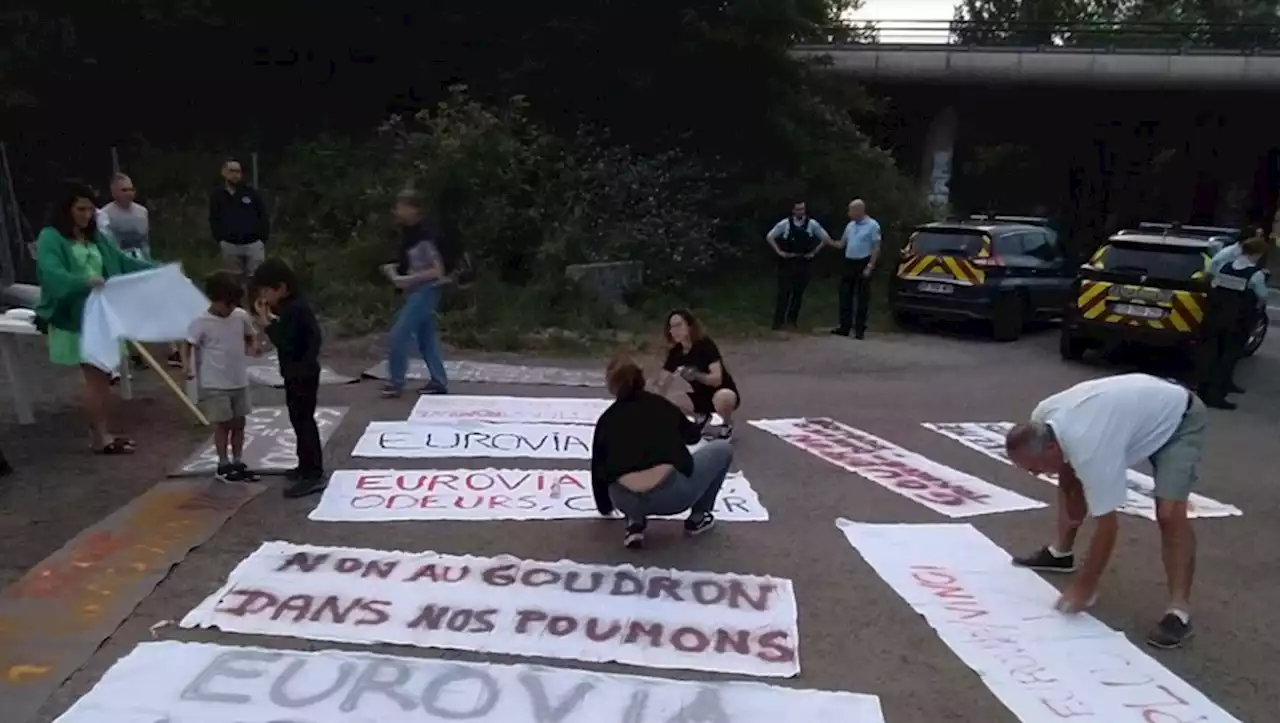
(292,327)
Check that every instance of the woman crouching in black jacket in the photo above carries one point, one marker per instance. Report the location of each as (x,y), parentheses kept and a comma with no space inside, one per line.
(640,461)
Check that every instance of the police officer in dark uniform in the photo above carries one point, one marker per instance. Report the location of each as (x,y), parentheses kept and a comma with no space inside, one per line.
(1237,292)
(795,241)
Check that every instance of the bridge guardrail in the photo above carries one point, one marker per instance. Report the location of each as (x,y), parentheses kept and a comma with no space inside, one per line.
(1069,36)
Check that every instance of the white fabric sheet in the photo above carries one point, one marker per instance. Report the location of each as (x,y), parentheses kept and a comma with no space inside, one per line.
(150,306)
(491,494)
(653,617)
(207,683)
(1000,621)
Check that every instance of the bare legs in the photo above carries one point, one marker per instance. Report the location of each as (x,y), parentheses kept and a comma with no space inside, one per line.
(97,387)
(725,402)
(1178,549)
(1071,513)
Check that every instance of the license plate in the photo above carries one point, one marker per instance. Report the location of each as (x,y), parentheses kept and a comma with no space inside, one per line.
(937,288)
(1142,312)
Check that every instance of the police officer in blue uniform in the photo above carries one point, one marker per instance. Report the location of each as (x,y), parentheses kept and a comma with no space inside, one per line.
(795,241)
(1237,292)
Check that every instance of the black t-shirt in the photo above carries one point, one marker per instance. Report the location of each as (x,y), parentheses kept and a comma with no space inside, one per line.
(701,355)
(637,434)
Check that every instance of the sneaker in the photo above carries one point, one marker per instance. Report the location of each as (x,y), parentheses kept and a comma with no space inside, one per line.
(859,335)
(696,526)
(391,392)
(246,475)
(308,485)
(226,472)
(1045,561)
(1170,632)
(634,537)
(174,360)
(433,388)
(840,332)
(722,431)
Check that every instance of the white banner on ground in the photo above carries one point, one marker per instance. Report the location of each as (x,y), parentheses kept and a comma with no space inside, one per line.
(208,683)
(988,438)
(125,308)
(491,494)
(1000,620)
(495,440)
(936,486)
(447,409)
(641,616)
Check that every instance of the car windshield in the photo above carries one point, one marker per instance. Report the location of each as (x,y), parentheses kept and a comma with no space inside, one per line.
(951,243)
(1177,263)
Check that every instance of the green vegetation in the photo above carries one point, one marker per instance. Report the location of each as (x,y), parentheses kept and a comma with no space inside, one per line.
(670,133)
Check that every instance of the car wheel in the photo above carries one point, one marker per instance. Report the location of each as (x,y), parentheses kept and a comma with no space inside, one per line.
(1257,335)
(1071,347)
(1009,318)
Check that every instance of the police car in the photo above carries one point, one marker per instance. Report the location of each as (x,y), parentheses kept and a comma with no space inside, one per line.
(1005,270)
(1145,287)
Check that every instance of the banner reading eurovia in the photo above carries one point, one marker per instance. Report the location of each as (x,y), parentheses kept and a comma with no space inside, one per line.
(355,495)
(642,616)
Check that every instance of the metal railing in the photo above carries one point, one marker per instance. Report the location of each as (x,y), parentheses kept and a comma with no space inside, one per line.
(1072,36)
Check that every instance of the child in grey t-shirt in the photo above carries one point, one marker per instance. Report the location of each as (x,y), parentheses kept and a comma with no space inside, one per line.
(221,341)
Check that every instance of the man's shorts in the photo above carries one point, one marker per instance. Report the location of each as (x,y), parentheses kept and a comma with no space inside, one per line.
(1177,463)
(223,405)
(243,259)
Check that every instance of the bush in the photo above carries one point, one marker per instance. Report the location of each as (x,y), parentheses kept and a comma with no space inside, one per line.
(524,202)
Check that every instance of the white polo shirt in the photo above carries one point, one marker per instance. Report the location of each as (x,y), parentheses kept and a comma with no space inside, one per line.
(1106,426)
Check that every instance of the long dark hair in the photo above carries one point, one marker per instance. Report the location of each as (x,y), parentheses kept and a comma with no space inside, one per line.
(696,330)
(624,377)
(60,213)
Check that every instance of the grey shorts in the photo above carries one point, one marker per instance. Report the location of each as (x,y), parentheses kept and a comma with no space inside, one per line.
(1177,463)
(224,405)
(243,259)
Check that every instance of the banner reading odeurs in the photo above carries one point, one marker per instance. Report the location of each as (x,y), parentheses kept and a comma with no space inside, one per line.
(642,616)
(916,477)
(490,494)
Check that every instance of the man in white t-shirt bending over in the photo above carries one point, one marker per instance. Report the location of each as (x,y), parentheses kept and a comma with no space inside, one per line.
(1089,436)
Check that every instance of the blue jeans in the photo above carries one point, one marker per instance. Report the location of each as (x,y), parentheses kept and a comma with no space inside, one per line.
(676,493)
(417,318)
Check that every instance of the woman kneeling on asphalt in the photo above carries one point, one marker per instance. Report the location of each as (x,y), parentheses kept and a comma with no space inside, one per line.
(641,465)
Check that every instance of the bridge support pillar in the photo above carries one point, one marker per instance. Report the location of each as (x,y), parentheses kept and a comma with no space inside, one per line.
(939,151)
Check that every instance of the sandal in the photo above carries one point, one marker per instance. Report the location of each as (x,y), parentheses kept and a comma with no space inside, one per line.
(119,445)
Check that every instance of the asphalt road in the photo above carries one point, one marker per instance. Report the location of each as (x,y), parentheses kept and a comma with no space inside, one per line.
(856,633)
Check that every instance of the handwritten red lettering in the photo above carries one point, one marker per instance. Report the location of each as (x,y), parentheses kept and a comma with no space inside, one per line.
(375,482)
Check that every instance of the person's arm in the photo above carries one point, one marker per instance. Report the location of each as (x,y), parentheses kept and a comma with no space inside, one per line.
(434,271)
(774,234)
(264,218)
(843,241)
(215,214)
(252,339)
(188,348)
(666,374)
(1258,284)
(821,234)
(715,374)
(1222,258)
(57,280)
(875,250)
(599,477)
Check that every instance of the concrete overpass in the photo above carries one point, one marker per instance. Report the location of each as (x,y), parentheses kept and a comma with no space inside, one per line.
(1078,54)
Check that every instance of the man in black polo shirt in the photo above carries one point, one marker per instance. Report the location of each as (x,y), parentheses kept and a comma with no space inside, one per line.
(238,221)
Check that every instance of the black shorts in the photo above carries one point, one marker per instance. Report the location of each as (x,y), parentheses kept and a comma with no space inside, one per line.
(701,400)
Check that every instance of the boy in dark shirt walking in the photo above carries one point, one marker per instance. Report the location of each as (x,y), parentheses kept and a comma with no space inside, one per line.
(292,327)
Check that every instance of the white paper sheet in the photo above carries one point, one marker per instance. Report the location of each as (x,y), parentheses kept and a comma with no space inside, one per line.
(914,476)
(642,616)
(1000,620)
(207,683)
(413,440)
(988,438)
(491,494)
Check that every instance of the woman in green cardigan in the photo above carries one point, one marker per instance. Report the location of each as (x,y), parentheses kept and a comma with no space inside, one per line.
(72,259)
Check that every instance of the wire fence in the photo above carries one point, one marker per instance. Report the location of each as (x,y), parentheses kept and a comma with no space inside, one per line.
(1233,38)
